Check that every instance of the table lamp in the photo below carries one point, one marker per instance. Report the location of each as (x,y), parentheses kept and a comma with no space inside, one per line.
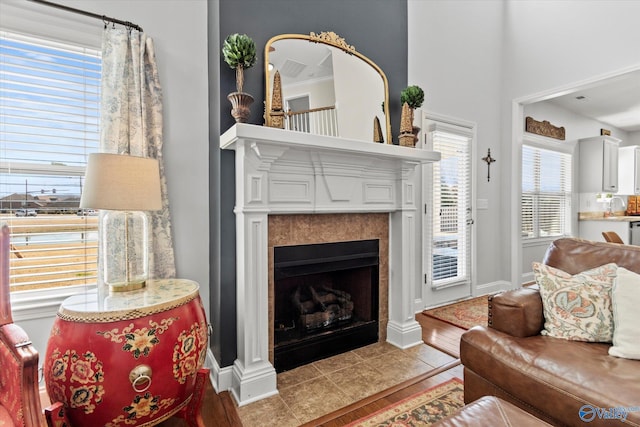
(125,187)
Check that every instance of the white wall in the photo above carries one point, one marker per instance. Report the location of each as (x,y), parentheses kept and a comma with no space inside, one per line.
(474,58)
(632,139)
(179,30)
(455,55)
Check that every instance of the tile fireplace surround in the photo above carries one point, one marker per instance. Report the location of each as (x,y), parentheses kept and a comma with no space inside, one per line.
(281,174)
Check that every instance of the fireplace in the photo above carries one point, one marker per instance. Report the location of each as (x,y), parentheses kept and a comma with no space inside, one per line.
(281,175)
(325,300)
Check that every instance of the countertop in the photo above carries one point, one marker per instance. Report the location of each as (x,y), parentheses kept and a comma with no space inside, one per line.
(599,216)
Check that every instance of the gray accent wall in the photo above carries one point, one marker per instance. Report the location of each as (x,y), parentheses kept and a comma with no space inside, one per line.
(377,29)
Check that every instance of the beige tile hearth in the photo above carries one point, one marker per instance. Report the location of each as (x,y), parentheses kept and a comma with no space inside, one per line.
(337,363)
(360,381)
(298,375)
(429,355)
(375,350)
(321,387)
(398,367)
(269,412)
(312,399)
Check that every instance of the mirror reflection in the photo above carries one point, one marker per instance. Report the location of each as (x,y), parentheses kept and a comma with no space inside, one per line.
(321,85)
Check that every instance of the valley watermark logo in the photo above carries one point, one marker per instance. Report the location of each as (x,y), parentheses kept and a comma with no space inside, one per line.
(589,413)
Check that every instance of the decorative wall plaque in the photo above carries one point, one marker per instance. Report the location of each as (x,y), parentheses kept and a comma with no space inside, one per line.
(544,128)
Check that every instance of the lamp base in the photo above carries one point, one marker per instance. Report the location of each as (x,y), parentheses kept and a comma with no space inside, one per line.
(125,250)
(127,286)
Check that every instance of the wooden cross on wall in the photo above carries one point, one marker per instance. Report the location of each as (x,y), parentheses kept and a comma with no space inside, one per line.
(489,160)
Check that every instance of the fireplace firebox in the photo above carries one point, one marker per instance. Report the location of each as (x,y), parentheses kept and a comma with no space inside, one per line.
(325,300)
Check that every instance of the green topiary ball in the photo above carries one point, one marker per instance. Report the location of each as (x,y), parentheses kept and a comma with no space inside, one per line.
(413,96)
(239,50)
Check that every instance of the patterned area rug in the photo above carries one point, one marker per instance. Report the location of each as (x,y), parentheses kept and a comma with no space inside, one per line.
(421,409)
(465,314)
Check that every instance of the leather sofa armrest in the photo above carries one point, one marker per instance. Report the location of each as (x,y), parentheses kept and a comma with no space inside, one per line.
(517,312)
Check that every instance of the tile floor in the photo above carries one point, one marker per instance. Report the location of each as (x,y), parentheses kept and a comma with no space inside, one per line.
(316,389)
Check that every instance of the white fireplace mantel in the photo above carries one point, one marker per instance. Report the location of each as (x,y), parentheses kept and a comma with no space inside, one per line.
(279,171)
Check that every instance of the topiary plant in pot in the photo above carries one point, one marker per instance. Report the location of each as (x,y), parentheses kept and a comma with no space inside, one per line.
(239,52)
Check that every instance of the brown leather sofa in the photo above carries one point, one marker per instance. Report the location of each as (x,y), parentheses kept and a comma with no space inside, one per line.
(553,379)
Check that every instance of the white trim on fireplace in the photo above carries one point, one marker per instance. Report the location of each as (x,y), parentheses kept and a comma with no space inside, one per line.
(280,171)
(221,378)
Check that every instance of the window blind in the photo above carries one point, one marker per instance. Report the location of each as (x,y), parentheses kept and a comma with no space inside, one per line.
(546,193)
(451,208)
(49,123)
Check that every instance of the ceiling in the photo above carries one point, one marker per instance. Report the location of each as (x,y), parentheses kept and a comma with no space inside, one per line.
(299,61)
(614,101)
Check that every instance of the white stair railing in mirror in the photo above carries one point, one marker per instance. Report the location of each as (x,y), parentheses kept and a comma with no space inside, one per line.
(319,121)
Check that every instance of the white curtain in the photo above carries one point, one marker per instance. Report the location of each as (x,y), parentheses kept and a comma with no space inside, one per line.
(131,123)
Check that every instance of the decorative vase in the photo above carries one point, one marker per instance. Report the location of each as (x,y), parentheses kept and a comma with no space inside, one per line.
(129,359)
(240,102)
(406,138)
(377,131)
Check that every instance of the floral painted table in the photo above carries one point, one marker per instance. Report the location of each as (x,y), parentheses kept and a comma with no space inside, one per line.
(130,359)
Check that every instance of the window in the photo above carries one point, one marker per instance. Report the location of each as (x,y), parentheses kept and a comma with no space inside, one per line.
(49,123)
(546,193)
(450,204)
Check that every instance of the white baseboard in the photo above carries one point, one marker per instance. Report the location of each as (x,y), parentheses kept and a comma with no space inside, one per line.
(405,335)
(221,378)
(480,290)
(253,384)
(492,288)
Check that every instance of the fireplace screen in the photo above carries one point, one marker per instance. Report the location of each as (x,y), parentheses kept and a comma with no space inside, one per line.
(325,300)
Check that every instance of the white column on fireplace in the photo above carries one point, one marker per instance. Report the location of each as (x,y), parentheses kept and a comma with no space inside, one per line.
(286,172)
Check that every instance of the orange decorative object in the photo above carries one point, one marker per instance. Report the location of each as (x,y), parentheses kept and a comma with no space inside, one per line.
(632,205)
(131,359)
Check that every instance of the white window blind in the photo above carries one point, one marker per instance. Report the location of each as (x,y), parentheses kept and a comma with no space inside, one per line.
(49,123)
(546,193)
(451,207)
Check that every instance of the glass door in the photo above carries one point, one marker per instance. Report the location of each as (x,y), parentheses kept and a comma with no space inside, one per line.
(448,215)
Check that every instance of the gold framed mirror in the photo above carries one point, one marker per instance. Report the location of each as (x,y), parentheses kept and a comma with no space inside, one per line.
(319,84)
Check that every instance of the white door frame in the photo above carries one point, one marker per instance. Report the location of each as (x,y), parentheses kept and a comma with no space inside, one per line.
(424,296)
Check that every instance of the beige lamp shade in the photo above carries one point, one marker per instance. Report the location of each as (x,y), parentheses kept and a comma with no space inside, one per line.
(121,182)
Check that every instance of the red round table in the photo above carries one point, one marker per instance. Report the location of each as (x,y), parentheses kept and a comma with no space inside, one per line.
(130,359)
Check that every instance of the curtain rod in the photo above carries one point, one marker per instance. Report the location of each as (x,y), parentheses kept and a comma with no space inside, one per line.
(104,18)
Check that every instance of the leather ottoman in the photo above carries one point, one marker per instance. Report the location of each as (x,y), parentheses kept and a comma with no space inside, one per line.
(490,411)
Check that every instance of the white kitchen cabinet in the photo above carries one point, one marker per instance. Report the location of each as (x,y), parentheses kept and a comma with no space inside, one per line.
(592,230)
(628,228)
(629,170)
(599,164)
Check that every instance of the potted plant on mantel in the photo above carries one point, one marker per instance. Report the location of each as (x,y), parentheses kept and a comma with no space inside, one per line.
(413,96)
(239,52)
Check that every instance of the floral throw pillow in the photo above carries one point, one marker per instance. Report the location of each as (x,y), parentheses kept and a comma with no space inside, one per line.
(577,307)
